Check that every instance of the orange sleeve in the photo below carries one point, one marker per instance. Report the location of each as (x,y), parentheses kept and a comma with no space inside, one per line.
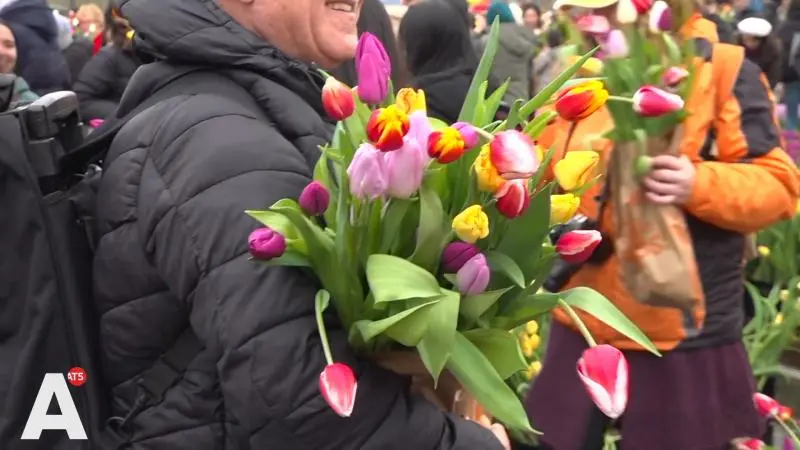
(752,183)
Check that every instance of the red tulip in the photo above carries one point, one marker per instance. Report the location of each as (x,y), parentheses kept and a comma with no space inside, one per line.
(513,198)
(650,101)
(674,75)
(642,6)
(337,99)
(513,155)
(446,145)
(604,372)
(387,127)
(338,386)
(785,413)
(766,405)
(577,246)
(751,444)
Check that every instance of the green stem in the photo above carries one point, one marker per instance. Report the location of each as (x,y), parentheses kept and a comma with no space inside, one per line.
(789,432)
(323,336)
(578,322)
(484,133)
(617,98)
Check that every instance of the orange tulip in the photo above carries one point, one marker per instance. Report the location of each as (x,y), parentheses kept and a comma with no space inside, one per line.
(580,101)
(387,127)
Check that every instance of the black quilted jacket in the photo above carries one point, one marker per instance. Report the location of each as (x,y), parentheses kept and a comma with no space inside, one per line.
(173,254)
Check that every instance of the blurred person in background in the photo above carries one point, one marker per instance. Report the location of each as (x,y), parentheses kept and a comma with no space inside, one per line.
(532,17)
(76,49)
(8,61)
(103,80)
(517,46)
(789,34)
(547,64)
(90,24)
(762,47)
(39,58)
(711,11)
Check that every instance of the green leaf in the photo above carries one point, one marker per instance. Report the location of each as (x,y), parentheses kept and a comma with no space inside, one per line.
(322,300)
(391,278)
(535,127)
(391,223)
(523,238)
(437,124)
(499,262)
(370,329)
(492,103)
(472,98)
(525,308)
(431,234)
(473,306)
(501,348)
(554,86)
(479,377)
(437,345)
(600,307)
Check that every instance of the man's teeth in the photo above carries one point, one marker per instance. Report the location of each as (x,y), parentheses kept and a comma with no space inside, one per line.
(340,6)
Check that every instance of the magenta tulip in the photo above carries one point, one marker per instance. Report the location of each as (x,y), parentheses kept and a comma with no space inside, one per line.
(473,277)
(456,254)
(650,101)
(660,18)
(374,69)
(367,172)
(468,132)
(577,246)
(338,386)
(314,199)
(266,244)
(604,372)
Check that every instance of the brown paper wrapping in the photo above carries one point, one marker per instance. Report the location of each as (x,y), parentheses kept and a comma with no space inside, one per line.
(448,395)
(652,242)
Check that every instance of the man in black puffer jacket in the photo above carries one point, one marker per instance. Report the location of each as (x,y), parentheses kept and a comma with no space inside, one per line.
(173,251)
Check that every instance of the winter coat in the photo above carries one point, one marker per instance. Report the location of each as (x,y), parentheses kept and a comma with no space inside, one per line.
(786,32)
(103,80)
(173,253)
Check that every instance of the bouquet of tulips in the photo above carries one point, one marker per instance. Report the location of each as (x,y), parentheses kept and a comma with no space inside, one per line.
(431,239)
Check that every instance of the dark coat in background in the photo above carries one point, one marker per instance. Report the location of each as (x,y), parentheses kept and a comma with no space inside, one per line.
(786,32)
(103,80)
(39,59)
(77,54)
(173,253)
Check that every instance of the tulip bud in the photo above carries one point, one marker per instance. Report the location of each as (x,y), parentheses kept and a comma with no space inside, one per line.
(593,24)
(473,277)
(374,68)
(513,198)
(266,244)
(650,101)
(409,100)
(577,246)
(471,224)
(96,123)
(446,145)
(468,133)
(642,6)
(604,372)
(766,405)
(337,99)
(580,101)
(314,199)
(785,413)
(563,207)
(660,18)
(514,155)
(616,45)
(576,169)
(338,386)
(626,12)
(755,444)
(456,254)
(367,172)
(489,179)
(387,127)
(404,168)
(674,76)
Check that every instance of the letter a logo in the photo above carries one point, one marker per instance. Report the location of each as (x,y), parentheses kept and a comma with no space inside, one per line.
(54,384)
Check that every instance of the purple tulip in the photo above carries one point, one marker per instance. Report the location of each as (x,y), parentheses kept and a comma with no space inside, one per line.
(473,277)
(367,172)
(266,244)
(615,45)
(468,132)
(660,19)
(404,169)
(373,68)
(314,199)
(456,254)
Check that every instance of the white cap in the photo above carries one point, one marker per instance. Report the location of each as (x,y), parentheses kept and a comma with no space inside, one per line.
(755,26)
(588,4)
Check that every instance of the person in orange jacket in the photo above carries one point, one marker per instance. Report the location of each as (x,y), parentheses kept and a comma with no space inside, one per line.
(732,179)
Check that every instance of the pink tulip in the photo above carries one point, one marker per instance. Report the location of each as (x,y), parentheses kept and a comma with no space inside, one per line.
(615,45)
(456,254)
(468,133)
(650,101)
(473,277)
(367,172)
(660,18)
(374,68)
(754,444)
(593,24)
(513,155)
(338,386)
(766,405)
(604,372)
(513,198)
(577,246)
(314,199)
(419,130)
(674,76)
(404,169)
(266,244)
(96,123)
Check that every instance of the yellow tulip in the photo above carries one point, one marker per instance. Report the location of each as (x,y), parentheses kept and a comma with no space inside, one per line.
(763,250)
(797,208)
(489,179)
(532,327)
(576,169)
(471,224)
(533,369)
(563,207)
(409,100)
(778,319)
(591,68)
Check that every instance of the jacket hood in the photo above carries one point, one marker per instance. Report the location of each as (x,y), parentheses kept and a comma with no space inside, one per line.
(35,15)
(199,32)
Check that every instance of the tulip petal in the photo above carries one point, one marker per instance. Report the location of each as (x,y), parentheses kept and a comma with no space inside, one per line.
(405,168)
(600,396)
(338,386)
(577,246)
(604,372)
(513,155)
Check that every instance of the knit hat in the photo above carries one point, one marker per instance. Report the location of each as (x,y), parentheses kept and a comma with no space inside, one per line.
(500,9)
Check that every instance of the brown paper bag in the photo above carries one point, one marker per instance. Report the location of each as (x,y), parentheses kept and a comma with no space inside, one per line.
(652,242)
(448,395)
